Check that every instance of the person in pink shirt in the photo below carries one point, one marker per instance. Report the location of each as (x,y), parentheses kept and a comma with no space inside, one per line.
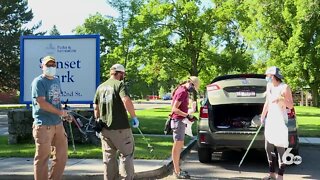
(180,103)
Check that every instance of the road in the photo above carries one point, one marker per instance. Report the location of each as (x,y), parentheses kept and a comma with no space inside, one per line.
(225,166)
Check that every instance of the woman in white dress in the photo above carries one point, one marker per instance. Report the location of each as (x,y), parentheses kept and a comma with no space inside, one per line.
(275,118)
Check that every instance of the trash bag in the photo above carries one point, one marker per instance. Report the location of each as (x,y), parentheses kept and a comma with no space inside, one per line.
(167,126)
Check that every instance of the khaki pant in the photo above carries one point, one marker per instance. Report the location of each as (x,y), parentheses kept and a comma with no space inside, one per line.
(50,139)
(113,141)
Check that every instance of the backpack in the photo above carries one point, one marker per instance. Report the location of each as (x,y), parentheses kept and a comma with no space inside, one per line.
(167,125)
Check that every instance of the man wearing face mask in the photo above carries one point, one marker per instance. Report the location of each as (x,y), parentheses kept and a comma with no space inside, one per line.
(275,117)
(48,130)
(111,103)
(180,103)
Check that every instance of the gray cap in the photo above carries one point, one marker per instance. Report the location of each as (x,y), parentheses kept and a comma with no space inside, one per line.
(273,70)
(118,67)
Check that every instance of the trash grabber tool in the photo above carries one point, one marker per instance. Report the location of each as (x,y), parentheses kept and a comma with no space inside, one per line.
(250,144)
(72,139)
(145,139)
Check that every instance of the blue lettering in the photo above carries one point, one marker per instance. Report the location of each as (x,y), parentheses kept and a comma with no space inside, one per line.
(66,65)
(72,63)
(66,78)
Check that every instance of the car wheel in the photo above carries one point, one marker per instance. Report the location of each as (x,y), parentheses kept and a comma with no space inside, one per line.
(205,155)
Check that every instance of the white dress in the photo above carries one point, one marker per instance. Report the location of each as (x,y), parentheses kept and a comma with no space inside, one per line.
(276,130)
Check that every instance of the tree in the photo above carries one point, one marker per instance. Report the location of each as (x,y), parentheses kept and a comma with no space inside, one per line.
(13,15)
(109,38)
(288,31)
(54,31)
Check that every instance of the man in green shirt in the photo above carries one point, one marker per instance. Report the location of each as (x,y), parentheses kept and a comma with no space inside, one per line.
(111,103)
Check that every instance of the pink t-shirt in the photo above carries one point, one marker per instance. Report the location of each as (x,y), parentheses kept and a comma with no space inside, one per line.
(182,96)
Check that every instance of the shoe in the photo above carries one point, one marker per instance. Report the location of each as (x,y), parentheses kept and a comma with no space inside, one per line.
(269,178)
(184,171)
(182,175)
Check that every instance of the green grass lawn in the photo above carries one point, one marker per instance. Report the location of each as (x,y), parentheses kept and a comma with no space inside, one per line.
(162,149)
(152,120)
(308,119)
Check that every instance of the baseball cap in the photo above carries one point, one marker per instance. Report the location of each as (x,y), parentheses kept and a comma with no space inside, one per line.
(46,59)
(117,67)
(195,80)
(273,70)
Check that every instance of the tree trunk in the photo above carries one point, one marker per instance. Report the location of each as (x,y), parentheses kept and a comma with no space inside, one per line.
(315,95)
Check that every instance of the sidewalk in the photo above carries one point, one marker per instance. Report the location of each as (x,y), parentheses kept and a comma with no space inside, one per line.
(83,169)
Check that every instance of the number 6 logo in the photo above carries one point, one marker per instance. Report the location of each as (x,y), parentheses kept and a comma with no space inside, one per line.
(293,159)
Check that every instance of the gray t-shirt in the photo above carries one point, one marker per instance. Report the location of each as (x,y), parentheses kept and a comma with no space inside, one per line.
(51,90)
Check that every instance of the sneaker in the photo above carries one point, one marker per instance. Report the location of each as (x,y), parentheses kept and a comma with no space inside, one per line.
(182,175)
(186,172)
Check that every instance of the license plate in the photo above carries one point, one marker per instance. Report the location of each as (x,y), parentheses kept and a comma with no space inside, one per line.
(246,94)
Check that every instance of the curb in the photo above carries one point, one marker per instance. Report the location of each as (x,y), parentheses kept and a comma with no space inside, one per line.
(165,169)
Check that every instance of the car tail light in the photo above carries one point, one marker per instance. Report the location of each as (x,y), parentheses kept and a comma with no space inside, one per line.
(213,87)
(291,113)
(202,138)
(204,112)
(292,140)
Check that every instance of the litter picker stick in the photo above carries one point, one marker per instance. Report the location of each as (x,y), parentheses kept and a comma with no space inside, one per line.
(72,139)
(250,144)
(143,137)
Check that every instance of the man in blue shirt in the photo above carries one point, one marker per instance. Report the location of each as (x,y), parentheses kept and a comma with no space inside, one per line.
(48,130)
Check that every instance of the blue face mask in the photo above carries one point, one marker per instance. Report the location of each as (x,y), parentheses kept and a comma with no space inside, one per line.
(190,89)
(268,79)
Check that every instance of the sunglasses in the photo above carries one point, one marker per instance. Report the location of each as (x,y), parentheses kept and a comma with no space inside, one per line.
(51,65)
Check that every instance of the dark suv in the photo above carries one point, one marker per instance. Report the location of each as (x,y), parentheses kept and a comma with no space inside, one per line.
(229,115)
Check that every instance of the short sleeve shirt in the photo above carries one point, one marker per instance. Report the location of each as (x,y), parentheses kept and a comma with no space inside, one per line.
(51,90)
(181,95)
(109,99)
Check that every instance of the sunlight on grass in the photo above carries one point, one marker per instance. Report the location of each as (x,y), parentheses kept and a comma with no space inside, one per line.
(308,119)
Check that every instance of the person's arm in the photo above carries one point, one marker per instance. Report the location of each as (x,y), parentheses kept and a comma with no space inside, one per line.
(264,111)
(129,106)
(265,107)
(96,111)
(44,105)
(176,110)
(287,97)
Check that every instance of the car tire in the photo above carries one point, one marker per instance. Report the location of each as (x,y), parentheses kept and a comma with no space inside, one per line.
(205,155)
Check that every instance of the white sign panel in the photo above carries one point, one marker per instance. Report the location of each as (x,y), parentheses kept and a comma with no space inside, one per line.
(78,66)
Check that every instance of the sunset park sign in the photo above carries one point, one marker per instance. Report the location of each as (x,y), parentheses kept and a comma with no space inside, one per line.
(78,66)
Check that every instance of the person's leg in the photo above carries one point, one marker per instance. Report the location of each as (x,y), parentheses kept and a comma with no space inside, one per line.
(271,159)
(124,142)
(41,135)
(176,150)
(109,153)
(59,159)
(282,165)
(178,128)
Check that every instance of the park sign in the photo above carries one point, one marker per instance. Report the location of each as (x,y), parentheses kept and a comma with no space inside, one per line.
(78,66)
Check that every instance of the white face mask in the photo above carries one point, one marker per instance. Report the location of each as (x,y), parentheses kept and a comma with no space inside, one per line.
(50,71)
